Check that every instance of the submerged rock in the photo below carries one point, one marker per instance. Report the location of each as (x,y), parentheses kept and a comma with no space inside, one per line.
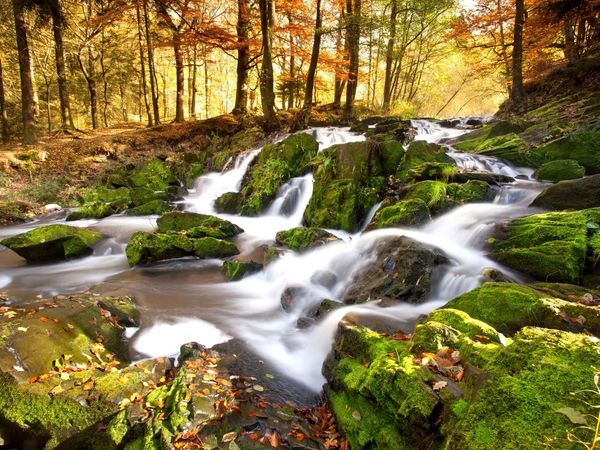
(573,194)
(53,242)
(560,170)
(551,246)
(401,272)
(302,238)
(236,270)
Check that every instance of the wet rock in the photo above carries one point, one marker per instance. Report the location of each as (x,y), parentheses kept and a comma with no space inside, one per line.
(560,170)
(53,242)
(228,203)
(324,278)
(236,270)
(574,194)
(490,178)
(325,307)
(153,207)
(290,297)
(197,225)
(551,246)
(419,153)
(401,272)
(303,238)
(409,212)
(18,211)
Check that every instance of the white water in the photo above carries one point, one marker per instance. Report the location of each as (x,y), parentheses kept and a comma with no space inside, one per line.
(184,301)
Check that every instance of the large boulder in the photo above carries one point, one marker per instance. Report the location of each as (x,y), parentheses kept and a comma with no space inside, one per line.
(53,242)
(573,194)
(551,246)
(349,181)
(303,238)
(197,225)
(401,271)
(422,157)
(560,170)
(409,212)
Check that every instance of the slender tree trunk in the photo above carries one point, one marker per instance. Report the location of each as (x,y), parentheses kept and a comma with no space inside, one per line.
(143,65)
(354,7)
(3,114)
(25,71)
(340,82)
(48,112)
(570,44)
(151,68)
(92,88)
(314,60)
(180,99)
(122,93)
(105,101)
(66,118)
(267,92)
(389,57)
(192,82)
(243,31)
(206,89)
(518,92)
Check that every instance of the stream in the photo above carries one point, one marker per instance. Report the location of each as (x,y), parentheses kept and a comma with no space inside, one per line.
(190,300)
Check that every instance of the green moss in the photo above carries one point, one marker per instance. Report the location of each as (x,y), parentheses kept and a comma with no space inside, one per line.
(559,170)
(418,154)
(302,238)
(236,270)
(153,175)
(551,246)
(228,203)
(148,247)
(431,171)
(150,208)
(510,307)
(197,225)
(403,213)
(53,242)
(208,247)
(464,323)
(101,201)
(141,196)
(581,145)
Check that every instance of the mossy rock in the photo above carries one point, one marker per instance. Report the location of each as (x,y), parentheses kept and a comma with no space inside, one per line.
(420,153)
(228,203)
(551,246)
(432,171)
(560,170)
(141,196)
(154,207)
(210,248)
(153,175)
(101,201)
(11,212)
(197,225)
(53,242)
(274,166)
(409,212)
(236,270)
(302,238)
(573,194)
(509,307)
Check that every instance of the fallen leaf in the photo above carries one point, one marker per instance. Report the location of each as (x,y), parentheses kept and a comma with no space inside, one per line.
(228,437)
(573,415)
(18,368)
(23,329)
(356,415)
(56,390)
(258,387)
(438,385)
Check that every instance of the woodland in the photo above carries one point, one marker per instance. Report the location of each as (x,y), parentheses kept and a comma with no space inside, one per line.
(302,224)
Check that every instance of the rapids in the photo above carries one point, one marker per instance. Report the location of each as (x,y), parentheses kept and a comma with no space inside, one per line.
(189,300)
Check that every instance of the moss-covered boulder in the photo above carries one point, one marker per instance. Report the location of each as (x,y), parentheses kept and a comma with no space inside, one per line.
(302,238)
(53,242)
(349,181)
(573,194)
(408,212)
(274,166)
(560,170)
(401,271)
(197,225)
(422,156)
(236,270)
(153,207)
(509,307)
(552,246)
(228,203)
(152,247)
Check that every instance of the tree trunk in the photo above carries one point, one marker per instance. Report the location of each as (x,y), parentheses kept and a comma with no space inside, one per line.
(151,68)
(192,82)
(48,112)
(267,92)
(389,57)
(3,115)
(338,89)
(66,117)
(105,102)
(354,7)
(206,89)
(91,81)
(25,71)
(314,60)
(122,93)
(570,45)
(143,65)
(180,99)
(517,91)
(243,30)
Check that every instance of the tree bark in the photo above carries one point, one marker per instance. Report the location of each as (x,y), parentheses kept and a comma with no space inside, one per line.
(143,65)
(354,7)
(389,57)
(180,99)
(66,116)
(151,68)
(314,60)
(3,114)
(267,92)
(25,70)
(517,91)
(192,82)
(340,82)
(92,88)
(243,60)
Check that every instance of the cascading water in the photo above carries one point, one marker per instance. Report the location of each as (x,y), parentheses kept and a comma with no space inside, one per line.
(188,300)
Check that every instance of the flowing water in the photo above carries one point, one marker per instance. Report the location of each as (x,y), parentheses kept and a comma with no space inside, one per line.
(190,300)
